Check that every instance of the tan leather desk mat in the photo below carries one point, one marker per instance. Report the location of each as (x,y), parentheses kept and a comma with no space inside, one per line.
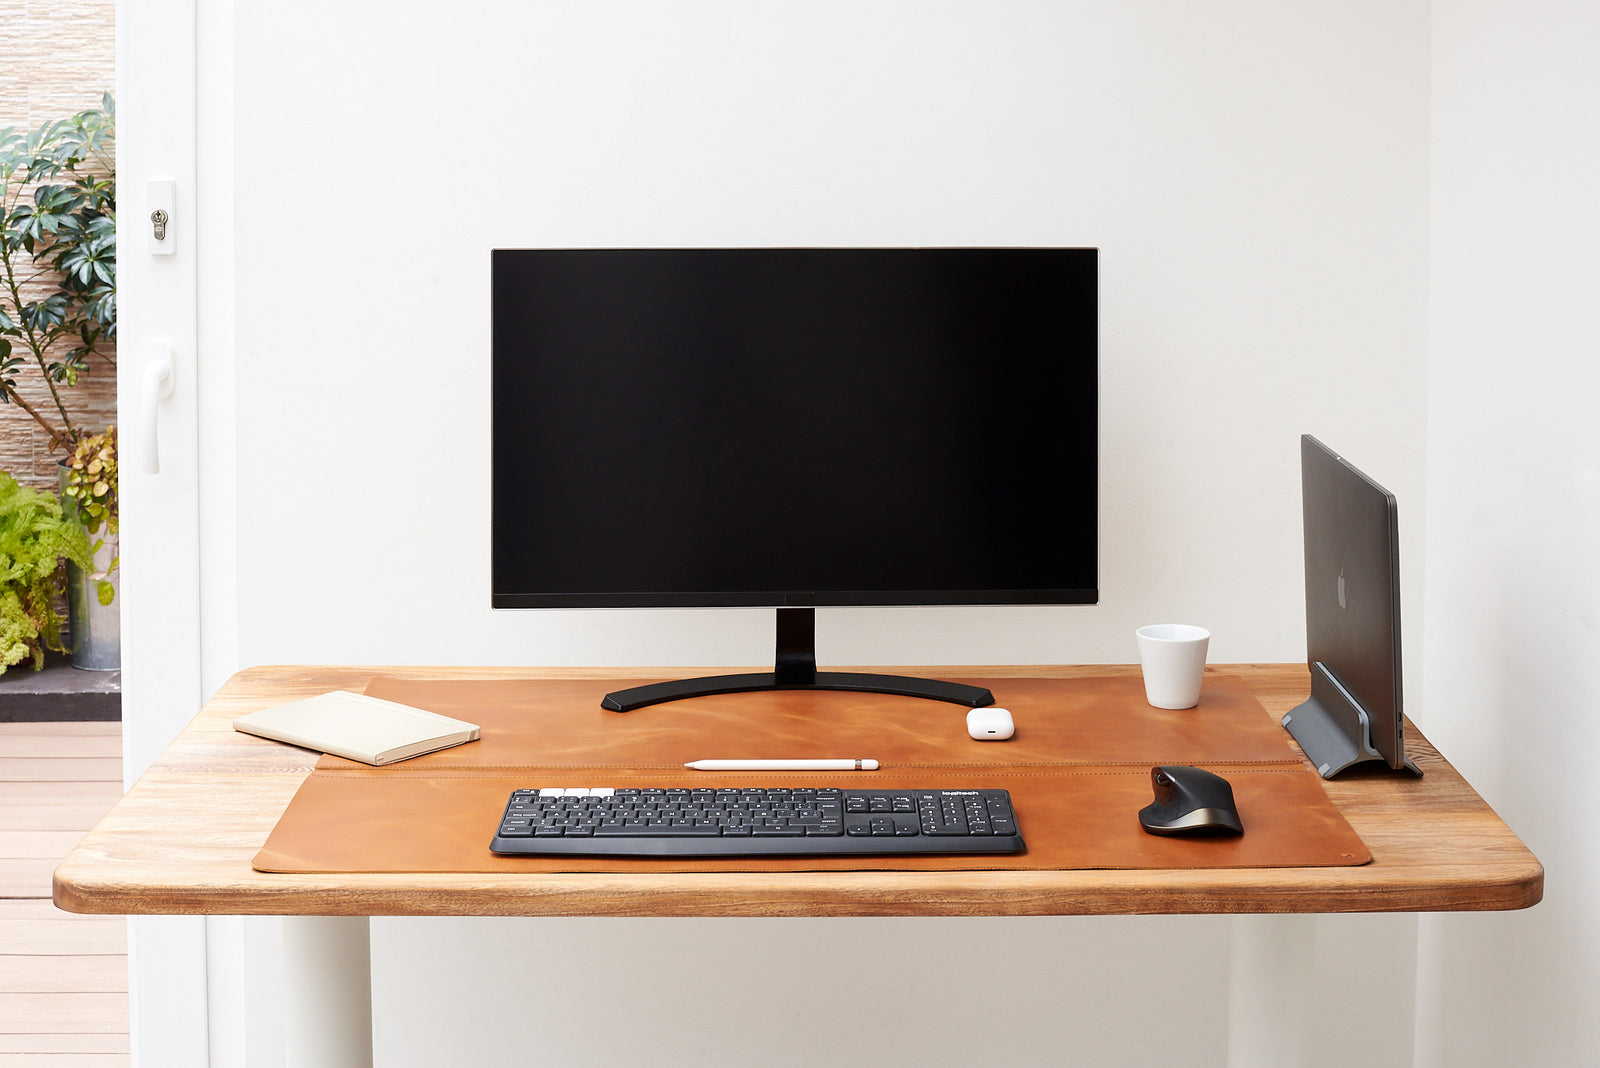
(1078,771)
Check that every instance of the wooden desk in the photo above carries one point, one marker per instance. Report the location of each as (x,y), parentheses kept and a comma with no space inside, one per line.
(181,841)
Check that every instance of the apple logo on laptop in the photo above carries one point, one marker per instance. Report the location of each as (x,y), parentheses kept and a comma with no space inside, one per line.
(1341,590)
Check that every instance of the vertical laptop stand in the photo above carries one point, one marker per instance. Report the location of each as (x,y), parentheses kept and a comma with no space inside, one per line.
(1333,728)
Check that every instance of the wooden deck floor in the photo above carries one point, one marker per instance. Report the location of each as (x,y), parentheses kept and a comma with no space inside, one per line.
(63,978)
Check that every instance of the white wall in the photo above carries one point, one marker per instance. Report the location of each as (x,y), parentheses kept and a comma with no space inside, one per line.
(1513,577)
(1254,172)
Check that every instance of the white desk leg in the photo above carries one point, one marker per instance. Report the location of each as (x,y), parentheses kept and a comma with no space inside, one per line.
(1269,991)
(327,997)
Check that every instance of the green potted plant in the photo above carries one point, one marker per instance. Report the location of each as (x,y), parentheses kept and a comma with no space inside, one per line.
(58,310)
(89,498)
(36,541)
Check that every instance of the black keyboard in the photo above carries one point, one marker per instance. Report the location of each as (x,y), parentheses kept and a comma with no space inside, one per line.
(726,821)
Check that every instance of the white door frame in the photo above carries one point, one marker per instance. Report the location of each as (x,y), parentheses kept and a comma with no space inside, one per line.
(159,549)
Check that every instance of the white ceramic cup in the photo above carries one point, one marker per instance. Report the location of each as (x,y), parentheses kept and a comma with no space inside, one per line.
(1173,658)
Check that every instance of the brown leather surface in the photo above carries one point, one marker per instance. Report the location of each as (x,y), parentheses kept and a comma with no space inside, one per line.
(1078,771)
(556,723)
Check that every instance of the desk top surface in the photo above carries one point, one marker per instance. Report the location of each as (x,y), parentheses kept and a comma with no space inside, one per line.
(181,842)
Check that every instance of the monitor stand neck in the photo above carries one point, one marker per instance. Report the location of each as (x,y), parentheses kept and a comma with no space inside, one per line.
(795,668)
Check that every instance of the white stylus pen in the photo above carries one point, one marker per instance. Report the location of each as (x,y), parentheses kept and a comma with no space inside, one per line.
(783,765)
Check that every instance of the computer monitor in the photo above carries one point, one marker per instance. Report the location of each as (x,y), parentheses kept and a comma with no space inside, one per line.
(1352,563)
(794,428)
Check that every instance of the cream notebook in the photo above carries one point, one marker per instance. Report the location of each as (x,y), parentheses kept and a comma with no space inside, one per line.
(353,725)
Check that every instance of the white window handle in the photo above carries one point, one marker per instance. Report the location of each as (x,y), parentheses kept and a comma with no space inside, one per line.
(158,383)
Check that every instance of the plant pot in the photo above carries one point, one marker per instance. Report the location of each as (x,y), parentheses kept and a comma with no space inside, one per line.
(96,628)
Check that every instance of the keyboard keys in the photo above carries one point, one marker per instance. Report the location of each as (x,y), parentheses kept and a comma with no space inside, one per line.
(727,820)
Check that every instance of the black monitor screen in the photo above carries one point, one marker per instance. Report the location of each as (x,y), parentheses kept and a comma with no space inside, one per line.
(794,427)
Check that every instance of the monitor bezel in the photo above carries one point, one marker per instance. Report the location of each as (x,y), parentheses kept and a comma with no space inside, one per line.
(930,597)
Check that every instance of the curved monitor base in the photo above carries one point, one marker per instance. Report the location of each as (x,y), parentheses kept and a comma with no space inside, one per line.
(903,685)
(795,668)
